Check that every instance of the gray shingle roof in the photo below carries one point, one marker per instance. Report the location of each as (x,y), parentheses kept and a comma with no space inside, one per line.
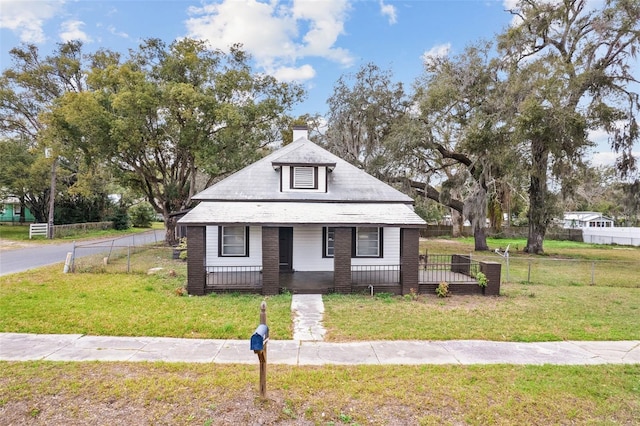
(261,182)
(289,213)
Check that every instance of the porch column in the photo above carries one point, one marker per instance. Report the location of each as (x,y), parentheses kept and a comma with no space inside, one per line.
(270,260)
(409,258)
(342,260)
(492,270)
(196,274)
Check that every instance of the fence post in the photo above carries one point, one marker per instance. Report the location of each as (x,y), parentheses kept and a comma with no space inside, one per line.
(73,258)
(128,259)
(529,273)
(593,273)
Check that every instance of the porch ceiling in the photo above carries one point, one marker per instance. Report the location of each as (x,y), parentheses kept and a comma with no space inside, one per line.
(290,213)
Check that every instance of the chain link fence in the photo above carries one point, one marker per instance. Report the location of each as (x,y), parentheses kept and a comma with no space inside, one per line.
(573,272)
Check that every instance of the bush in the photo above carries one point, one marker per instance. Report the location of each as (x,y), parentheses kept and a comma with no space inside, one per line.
(121,220)
(142,215)
(443,289)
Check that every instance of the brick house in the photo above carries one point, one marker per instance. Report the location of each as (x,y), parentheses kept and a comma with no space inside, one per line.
(302,220)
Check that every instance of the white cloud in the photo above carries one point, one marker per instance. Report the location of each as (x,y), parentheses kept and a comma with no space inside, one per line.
(115,32)
(437,51)
(27,18)
(389,11)
(72,30)
(299,74)
(276,33)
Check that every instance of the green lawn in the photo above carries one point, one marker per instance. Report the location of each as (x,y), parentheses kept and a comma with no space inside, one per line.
(21,233)
(137,304)
(104,302)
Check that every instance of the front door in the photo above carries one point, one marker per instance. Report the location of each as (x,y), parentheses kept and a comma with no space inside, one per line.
(286,249)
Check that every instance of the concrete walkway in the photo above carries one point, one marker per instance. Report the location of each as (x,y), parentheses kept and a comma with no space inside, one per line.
(308,310)
(76,347)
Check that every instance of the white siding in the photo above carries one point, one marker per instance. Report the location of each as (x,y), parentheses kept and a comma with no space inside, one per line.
(255,249)
(307,250)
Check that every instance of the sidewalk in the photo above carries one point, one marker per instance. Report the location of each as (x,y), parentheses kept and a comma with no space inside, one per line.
(76,347)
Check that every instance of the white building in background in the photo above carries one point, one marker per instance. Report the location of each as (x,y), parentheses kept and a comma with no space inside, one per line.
(573,220)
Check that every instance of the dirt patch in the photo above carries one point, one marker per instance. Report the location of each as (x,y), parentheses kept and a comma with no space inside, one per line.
(14,245)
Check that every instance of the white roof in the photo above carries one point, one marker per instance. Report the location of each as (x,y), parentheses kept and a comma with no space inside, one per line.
(289,213)
(584,216)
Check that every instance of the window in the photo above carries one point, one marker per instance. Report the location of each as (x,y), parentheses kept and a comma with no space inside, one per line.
(328,240)
(365,242)
(368,242)
(233,241)
(17,210)
(304,178)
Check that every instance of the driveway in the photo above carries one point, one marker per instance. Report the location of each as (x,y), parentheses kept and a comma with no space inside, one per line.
(20,259)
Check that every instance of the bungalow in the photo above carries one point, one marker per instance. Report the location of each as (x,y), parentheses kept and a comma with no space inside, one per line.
(11,210)
(586,220)
(303,220)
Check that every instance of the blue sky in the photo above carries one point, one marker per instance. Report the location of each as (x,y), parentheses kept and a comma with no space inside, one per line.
(312,42)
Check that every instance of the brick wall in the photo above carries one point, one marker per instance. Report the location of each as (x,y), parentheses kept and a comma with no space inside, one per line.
(342,260)
(410,239)
(270,260)
(196,274)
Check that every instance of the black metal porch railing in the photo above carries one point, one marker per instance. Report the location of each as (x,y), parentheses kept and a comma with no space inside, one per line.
(450,268)
(234,276)
(375,274)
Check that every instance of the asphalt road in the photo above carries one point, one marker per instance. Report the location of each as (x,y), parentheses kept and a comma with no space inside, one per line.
(23,259)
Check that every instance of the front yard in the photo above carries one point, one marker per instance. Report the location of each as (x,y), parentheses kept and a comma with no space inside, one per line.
(47,301)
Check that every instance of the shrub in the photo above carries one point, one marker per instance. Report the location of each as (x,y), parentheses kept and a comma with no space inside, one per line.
(443,289)
(121,220)
(142,215)
(482,279)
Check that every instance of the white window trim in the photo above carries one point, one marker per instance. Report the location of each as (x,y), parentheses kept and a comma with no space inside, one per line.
(245,242)
(357,248)
(304,177)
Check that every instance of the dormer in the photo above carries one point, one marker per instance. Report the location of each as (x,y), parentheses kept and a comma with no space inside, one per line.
(304,169)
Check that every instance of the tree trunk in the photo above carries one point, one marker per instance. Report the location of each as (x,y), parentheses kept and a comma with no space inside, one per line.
(538,199)
(480,238)
(457,224)
(170,234)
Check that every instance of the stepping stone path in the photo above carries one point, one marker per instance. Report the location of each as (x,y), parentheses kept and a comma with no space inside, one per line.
(308,310)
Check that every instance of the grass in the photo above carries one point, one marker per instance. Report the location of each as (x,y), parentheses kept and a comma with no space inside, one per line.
(160,393)
(20,233)
(100,302)
(103,302)
(565,263)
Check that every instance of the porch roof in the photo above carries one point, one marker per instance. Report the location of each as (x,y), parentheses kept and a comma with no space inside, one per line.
(291,213)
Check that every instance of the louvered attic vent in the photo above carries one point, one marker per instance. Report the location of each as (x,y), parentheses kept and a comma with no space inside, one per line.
(304,178)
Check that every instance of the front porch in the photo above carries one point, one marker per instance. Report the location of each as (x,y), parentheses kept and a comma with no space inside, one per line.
(459,271)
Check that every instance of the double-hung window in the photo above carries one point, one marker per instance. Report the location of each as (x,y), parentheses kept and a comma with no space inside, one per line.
(365,242)
(233,241)
(368,242)
(328,241)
